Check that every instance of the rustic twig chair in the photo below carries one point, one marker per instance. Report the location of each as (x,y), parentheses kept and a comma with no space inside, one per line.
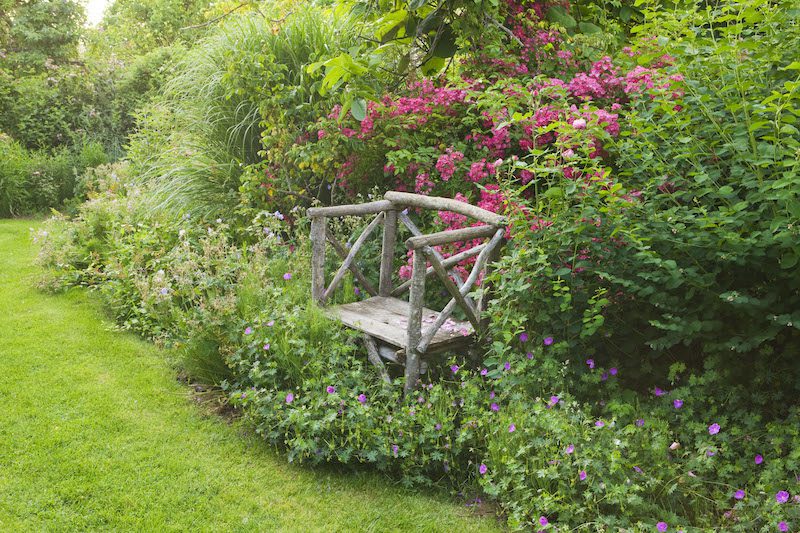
(384,316)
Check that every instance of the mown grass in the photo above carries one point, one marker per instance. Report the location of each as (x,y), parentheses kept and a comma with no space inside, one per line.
(95,433)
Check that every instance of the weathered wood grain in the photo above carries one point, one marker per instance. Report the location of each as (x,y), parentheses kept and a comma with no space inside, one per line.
(387,251)
(415,303)
(444,204)
(446,237)
(351,209)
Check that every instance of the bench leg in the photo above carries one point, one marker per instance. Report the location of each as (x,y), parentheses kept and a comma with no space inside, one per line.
(415,304)
(375,358)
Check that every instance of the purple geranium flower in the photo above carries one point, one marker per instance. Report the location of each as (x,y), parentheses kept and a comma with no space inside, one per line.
(759,459)
(507,366)
(495,407)
(590,363)
(331,389)
(437,427)
(613,371)
(362,398)
(604,376)
(289,398)
(637,469)
(248,330)
(662,526)
(484,371)
(570,449)
(482,469)
(548,341)
(782,496)
(543,521)
(523,337)
(658,392)
(553,401)
(512,428)
(783,526)
(266,346)
(270,323)
(454,368)
(395,449)
(287,276)
(739,494)
(529,355)
(582,475)
(599,423)
(640,422)
(713,429)
(677,403)
(710,453)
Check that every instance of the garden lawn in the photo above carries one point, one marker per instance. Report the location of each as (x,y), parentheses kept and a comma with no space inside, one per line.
(95,432)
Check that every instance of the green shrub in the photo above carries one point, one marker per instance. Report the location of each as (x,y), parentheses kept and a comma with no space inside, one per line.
(14,164)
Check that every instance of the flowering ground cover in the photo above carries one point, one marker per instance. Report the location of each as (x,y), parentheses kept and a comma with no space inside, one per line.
(96,434)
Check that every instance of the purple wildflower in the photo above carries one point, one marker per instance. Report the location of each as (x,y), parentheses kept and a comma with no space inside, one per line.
(270,323)
(331,389)
(548,341)
(599,423)
(362,398)
(248,330)
(713,429)
(491,395)
(613,371)
(529,355)
(287,276)
(739,494)
(590,363)
(437,427)
(484,371)
(570,449)
(494,407)
(395,449)
(640,422)
(266,346)
(783,526)
(454,368)
(604,376)
(782,496)
(523,337)
(658,392)
(507,366)
(553,401)
(710,453)
(677,403)
(759,459)
(289,398)
(543,521)
(582,475)
(357,291)
(482,469)
(637,469)
(512,428)
(661,526)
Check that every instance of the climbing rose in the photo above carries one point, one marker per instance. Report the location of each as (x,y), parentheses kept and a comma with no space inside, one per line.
(362,398)
(289,398)
(331,389)
(739,494)
(662,526)
(482,469)
(579,123)
(678,404)
(713,429)
(782,496)
(759,459)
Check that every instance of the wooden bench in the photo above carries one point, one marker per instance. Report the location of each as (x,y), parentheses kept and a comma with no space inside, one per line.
(386,320)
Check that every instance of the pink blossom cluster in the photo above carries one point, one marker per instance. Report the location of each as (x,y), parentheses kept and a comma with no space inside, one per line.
(446,164)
